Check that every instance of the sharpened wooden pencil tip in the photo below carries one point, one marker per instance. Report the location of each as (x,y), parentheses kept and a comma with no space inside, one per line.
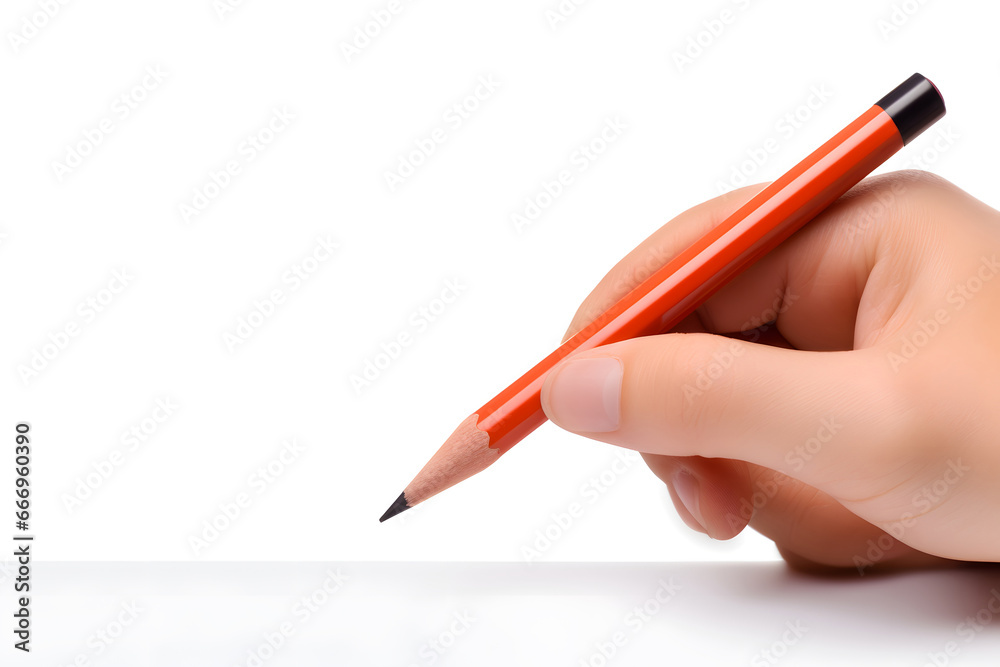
(466,452)
(399,505)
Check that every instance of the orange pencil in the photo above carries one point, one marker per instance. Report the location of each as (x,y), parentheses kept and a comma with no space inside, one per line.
(670,294)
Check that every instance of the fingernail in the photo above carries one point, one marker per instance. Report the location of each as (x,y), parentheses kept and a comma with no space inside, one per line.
(584,395)
(688,491)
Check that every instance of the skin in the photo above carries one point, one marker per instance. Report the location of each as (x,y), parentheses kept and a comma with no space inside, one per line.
(836,324)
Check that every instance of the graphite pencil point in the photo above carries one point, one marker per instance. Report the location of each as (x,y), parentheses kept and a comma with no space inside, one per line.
(399,505)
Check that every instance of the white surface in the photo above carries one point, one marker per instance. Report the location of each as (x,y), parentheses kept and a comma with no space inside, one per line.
(162,337)
(489,614)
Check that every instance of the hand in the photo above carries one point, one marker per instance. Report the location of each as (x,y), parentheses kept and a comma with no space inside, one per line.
(841,396)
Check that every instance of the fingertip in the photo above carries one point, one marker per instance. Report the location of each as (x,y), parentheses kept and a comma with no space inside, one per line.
(685,491)
(728,511)
(710,495)
(690,519)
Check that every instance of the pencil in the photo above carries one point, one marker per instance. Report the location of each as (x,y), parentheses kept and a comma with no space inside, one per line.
(676,289)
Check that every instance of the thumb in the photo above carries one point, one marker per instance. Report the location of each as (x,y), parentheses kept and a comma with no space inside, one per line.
(811,415)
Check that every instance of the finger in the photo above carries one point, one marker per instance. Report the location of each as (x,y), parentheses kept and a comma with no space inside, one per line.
(811,530)
(813,284)
(815,532)
(719,397)
(661,247)
(709,494)
(827,287)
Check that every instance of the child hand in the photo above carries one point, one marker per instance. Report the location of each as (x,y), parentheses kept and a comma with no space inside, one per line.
(855,420)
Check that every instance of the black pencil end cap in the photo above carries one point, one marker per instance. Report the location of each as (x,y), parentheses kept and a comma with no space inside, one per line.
(914,105)
(399,505)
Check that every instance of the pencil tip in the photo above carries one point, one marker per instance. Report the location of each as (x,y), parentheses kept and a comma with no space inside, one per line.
(399,505)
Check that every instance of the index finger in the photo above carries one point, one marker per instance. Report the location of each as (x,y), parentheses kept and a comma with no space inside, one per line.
(662,246)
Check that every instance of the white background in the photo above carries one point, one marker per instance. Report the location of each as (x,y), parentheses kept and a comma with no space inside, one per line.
(69,222)
(688,130)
